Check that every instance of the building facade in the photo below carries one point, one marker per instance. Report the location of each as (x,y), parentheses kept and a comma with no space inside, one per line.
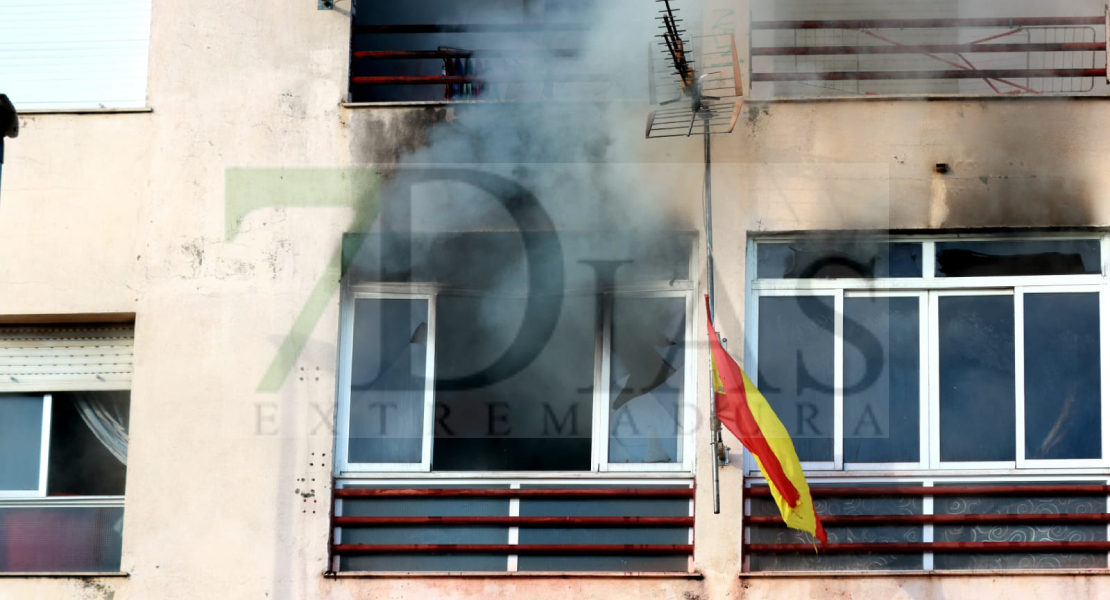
(367,299)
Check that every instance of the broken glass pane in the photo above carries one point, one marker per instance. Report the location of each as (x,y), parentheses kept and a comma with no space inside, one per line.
(20,441)
(882,365)
(838,260)
(646,380)
(531,413)
(388,374)
(796,369)
(1063,391)
(977,403)
(998,258)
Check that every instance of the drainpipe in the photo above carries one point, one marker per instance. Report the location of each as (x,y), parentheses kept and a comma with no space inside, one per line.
(9,126)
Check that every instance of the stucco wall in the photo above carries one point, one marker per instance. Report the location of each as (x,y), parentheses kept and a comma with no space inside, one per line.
(129,213)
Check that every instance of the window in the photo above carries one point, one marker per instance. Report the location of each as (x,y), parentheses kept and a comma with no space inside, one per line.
(497,50)
(69,54)
(63,453)
(979,365)
(574,401)
(805,49)
(439,378)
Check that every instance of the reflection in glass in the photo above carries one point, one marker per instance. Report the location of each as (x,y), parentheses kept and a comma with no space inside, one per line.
(976,367)
(20,441)
(1063,392)
(388,374)
(646,379)
(882,366)
(1016,258)
(838,260)
(796,369)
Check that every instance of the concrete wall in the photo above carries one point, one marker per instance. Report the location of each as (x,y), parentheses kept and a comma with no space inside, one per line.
(130,213)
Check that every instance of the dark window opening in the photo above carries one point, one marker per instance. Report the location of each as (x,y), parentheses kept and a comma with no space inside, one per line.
(475,50)
(1003,258)
(537,419)
(80,464)
(838,260)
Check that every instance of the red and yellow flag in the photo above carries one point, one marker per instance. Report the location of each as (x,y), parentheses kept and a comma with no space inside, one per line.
(747,414)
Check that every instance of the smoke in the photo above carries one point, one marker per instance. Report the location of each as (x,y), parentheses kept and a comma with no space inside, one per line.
(534,200)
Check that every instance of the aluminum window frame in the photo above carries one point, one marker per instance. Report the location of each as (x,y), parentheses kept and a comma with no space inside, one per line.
(599,465)
(688,426)
(44,453)
(346,355)
(929,287)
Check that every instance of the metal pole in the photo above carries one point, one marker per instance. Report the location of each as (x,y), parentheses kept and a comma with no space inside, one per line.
(714,424)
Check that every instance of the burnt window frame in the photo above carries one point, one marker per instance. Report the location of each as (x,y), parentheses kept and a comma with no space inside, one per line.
(928,289)
(599,465)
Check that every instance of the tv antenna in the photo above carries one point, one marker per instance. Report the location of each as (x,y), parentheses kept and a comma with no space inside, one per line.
(697,110)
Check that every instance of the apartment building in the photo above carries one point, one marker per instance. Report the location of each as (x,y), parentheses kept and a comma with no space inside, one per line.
(356,298)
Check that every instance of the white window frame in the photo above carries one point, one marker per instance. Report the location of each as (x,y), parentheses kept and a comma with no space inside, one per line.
(346,350)
(599,465)
(688,412)
(44,452)
(929,287)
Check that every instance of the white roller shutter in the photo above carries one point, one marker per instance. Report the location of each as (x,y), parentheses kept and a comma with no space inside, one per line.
(73,54)
(65,357)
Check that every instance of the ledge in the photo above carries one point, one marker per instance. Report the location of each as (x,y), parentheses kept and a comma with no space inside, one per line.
(508,575)
(923,98)
(455,103)
(30,112)
(968,573)
(79,575)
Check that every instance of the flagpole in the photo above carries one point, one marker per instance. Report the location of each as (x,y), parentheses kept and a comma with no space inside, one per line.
(716,441)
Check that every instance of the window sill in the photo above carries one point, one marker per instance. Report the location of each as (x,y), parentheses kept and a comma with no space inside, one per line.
(921,97)
(83,111)
(453,103)
(75,575)
(503,574)
(540,476)
(968,573)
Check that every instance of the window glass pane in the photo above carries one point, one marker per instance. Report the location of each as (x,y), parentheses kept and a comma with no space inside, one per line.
(864,533)
(532,415)
(432,506)
(80,462)
(1063,392)
(977,403)
(388,371)
(61,539)
(1044,531)
(20,442)
(646,379)
(837,260)
(882,363)
(1050,257)
(796,369)
(629,534)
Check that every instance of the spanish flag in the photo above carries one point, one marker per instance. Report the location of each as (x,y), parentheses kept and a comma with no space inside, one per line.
(747,414)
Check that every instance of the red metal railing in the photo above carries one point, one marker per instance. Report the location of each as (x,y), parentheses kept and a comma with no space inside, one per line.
(991,491)
(1011,22)
(963,69)
(536,73)
(518,548)
(951,490)
(625,493)
(900,547)
(640,493)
